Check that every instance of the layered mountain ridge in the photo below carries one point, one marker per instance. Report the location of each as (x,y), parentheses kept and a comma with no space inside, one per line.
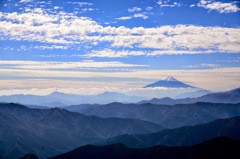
(183,136)
(168,116)
(58,99)
(49,132)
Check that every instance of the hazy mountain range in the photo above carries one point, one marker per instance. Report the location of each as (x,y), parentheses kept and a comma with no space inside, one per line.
(232,96)
(194,94)
(58,99)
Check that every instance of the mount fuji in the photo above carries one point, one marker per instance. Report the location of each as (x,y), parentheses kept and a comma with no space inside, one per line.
(169,82)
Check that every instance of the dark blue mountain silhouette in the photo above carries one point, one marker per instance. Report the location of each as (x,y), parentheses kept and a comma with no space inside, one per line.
(215,148)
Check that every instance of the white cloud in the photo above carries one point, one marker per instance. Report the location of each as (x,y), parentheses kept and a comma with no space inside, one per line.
(204,65)
(43,27)
(113,54)
(176,52)
(192,5)
(134,9)
(52,55)
(56,7)
(87,9)
(149,8)
(52,47)
(125,53)
(41,65)
(182,39)
(81,3)
(44,2)
(219,6)
(140,15)
(39,47)
(167,3)
(209,65)
(124,18)
(25,1)
(35,16)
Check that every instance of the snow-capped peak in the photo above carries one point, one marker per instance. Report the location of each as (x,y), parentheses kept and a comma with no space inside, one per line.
(169,82)
(169,78)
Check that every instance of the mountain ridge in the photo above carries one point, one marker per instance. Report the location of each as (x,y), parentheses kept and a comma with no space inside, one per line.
(183,136)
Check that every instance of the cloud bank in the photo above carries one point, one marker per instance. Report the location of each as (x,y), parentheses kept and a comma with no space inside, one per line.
(67,29)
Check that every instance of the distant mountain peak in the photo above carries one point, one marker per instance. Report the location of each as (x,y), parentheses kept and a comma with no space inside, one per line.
(57,93)
(170,78)
(111,94)
(169,82)
(107,92)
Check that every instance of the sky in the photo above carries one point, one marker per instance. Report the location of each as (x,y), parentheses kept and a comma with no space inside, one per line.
(89,47)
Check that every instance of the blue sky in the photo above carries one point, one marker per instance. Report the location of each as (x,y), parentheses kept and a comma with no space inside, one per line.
(117,44)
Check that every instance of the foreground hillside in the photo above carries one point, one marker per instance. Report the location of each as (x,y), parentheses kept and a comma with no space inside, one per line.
(218,148)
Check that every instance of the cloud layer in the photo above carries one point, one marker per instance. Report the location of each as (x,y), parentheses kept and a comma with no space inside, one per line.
(68,29)
(213,79)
